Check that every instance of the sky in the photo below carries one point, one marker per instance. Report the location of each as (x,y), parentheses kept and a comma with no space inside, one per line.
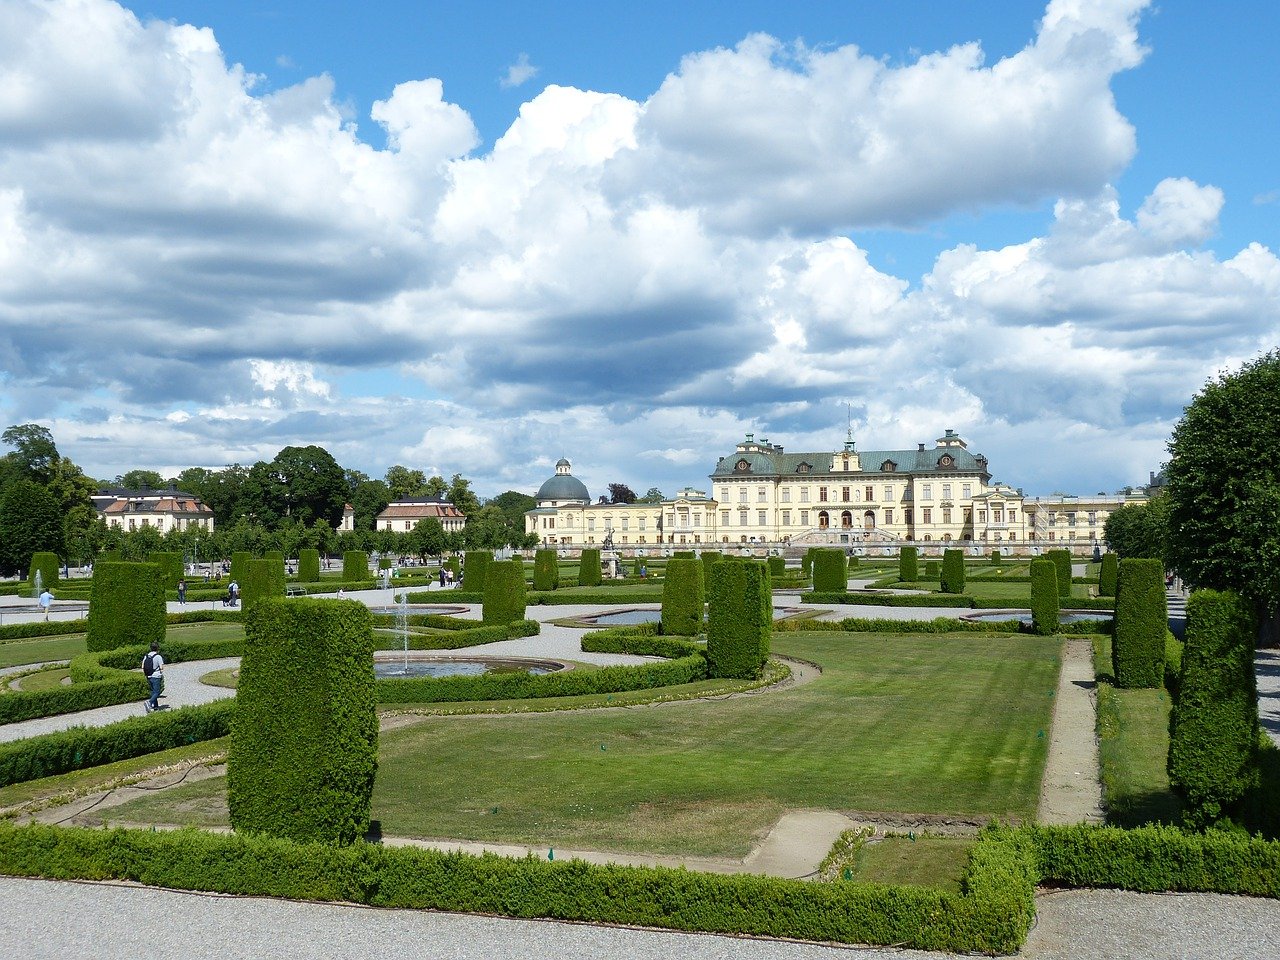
(474,238)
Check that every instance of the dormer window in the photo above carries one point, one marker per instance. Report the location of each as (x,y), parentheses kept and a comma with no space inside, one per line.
(742,466)
(888,466)
(946,461)
(803,468)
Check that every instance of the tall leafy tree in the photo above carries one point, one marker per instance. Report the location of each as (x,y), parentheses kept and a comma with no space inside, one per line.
(654,495)
(368,500)
(141,480)
(435,488)
(314,486)
(514,505)
(34,455)
(1224,489)
(1139,530)
(405,484)
(461,496)
(621,493)
(30,521)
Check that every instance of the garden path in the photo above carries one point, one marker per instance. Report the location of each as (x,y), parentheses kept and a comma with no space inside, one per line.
(1267,667)
(1071,792)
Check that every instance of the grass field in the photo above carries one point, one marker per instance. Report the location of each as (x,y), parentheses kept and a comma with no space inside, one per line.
(951,724)
(15,653)
(1018,594)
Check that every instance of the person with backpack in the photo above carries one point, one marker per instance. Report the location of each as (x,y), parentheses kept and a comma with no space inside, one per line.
(153,670)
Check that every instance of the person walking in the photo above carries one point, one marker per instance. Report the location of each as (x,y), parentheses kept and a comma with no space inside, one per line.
(153,670)
(182,592)
(46,601)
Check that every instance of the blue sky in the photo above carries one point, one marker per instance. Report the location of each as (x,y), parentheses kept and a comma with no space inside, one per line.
(629,233)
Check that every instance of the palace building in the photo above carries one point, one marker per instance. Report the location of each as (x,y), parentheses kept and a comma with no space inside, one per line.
(763,495)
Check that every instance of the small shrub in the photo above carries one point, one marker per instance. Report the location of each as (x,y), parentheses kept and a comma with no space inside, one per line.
(740,617)
(684,555)
(308,565)
(355,565)
(1107,575)
(503,592)
(304,737)
(931,570)
(48,567)
(953,571)
(589,568)
(1213,742)
(997,558)
(806,562)
(1142,617)
(908,564)
(1044,597)
(474,568)
(546,570)
(126,606)
(830,572)
(682,597)
(777,566)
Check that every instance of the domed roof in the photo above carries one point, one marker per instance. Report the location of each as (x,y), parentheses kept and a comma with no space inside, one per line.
(563,486)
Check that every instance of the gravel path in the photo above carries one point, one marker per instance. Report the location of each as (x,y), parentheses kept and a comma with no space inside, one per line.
(1267,667)
(1071,791)
(53,920)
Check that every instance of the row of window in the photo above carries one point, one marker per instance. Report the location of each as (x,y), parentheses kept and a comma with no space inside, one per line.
(850,494)
(1071,519)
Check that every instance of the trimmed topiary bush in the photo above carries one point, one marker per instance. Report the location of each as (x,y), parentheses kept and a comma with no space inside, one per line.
(908,564)
(830,573)
(931,569)
(708,558)
(1107,575)
(740,618)
(171,568)
(852,562)
(48,566)
(997,558)
(258,583)
(355,565)
(546,570)
(473,569)
(682,596)
(239,564)
(126,606)
(1063,560)
(304,738)
(1213,731)
(953,571)
(386,563)
(503,591)
(1044,597)
(777,566)
(308,565)
(589,568)
(1142,617)
(454,565)
(684,555)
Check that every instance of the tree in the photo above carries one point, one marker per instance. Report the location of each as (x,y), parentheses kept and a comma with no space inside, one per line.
(34,454)
(140,480)
(220,490)
(460,495)
(435,488)
(1224,489)
(368,500)
(513,506)
(1139,530)
(405,484)
(621,493)
(29,522)
(653,496)
(429,539)
(315,486)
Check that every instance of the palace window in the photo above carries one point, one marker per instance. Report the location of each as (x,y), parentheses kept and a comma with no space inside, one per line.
(1071,519)
(804,494)
(926,491)
(888,515)
(888,492)
(822,494)
(906,516)
(626,523)
(697,519)
(982,516)
(742,495)
(742,518)
(804,518)
(1093,519)
(966,490)
(1013,514)
(928,515)
(1053,518)
(888,466)
(946,491)
(762,495)
(786,518)
(997,514)
(591,523)
(786,494)
(803,468)
(724,518)
(946,514)
(871,493)
(724,494)
(762,517)
(844,494)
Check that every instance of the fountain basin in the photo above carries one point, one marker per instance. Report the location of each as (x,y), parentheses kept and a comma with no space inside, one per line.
(1024,616)
(389,664)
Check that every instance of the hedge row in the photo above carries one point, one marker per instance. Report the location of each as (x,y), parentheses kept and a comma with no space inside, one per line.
(992,916)
(535,598)
(473,636)
(939,600)
(885,625)
(1142,617)
(42,628)
(640,641)
(81,747)
(683,593)
(126,606)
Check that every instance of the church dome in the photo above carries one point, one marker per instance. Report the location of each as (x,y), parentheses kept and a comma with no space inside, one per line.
(563,486)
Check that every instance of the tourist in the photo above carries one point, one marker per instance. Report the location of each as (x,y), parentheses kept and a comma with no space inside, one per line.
(234,590)
(153,670)
(46,601)
(442,576)
(182,592)
(342,593)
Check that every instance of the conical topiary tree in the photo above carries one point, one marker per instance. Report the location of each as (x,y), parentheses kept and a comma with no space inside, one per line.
(1044,597)
(908,565)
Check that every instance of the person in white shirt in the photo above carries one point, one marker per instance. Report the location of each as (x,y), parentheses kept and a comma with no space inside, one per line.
(153,670)
(46,601)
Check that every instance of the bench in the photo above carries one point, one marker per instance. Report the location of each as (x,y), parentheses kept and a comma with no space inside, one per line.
(294,591)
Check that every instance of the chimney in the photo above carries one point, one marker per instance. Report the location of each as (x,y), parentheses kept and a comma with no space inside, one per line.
(920,447)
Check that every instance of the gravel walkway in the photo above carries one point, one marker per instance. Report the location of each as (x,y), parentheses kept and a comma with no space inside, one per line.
(1267,667)
(1071,791)
(53,920)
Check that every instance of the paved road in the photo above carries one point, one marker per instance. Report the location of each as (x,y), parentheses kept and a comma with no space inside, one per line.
(42,919)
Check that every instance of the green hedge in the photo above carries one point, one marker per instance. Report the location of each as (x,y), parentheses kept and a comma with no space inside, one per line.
(953,571)
(1062,559)
(777,567)
(304,739)
(467,634)
(474,568)
(640,640)
(239,565)
(42,628)
(684,555)
(1157,858)
(385,563)
(546,570)
(355,565)
(1213,730)
(81,747)
(1107,574)
(503,591)
(908,564)
(683,593)
(830,571)
(806,562)
(997,558)
(740,617)
(171,567)
(708,558)
(1142,617)
(1044,596)
(48,566)
(126,606)
(256,584)
(931,570)
(993,914)
(589,568)
(308,565)
(886,625)
(890,599)
(276,576)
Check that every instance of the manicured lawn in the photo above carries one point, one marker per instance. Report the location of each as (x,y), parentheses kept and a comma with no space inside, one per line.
(950,724)
(1019,594)
(205,631)
(41,680)
(926,861)
(14,653)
